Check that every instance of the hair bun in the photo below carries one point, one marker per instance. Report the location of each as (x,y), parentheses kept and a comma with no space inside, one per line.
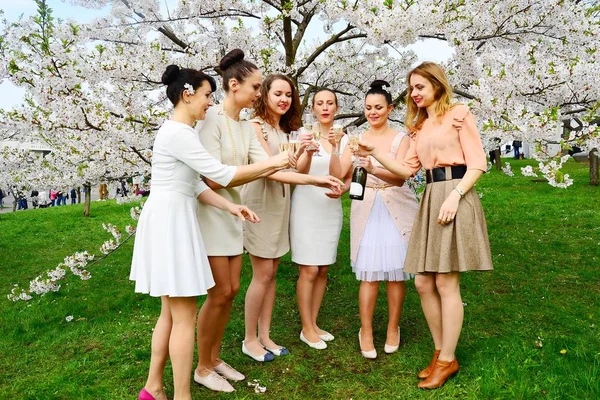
(233,57)
(379,84)
(170,74)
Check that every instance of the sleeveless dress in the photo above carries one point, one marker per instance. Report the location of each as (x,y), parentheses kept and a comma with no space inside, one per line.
(270,200)
(232,143)
(315,219)
(169,258)
(380,227)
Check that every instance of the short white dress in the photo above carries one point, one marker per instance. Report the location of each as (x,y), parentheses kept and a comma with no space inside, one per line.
(169,258)
(315,219)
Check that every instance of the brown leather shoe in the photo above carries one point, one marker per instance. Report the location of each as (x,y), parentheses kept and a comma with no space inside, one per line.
(440,373)
(425,373)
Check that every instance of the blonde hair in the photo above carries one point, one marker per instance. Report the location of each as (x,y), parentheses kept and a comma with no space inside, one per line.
(434,73)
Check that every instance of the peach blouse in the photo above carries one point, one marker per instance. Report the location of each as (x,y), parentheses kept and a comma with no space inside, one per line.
(455,141)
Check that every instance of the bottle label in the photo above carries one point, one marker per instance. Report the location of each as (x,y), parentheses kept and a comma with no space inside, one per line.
(356,189)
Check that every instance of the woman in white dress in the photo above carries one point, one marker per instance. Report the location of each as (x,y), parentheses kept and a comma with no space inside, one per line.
(315,226)
(169,260)
(233,142)
(381,223)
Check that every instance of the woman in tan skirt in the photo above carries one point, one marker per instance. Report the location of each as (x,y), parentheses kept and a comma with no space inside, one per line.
(449,235)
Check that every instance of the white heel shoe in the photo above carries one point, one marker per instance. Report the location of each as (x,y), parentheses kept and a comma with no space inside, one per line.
(320,345)
(371,354)
(389,349)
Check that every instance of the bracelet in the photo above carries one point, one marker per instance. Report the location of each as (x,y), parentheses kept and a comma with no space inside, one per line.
(460,192)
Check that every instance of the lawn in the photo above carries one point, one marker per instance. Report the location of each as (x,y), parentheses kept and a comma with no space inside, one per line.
(532,326)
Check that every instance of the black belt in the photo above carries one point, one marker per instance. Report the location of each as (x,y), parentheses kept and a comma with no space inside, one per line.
(445,173)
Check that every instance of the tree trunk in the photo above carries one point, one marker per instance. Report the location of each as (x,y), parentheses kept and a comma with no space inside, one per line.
(498,162)
(594,167)
(88,200)
(78,194)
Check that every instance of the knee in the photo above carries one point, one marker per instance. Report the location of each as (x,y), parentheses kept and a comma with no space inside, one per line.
(447,286)
(223,295)
(309,274)
(322,274)
(424,285)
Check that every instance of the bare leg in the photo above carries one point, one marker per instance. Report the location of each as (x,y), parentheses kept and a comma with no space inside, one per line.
(181,344)
(395,297)
(367,298)
(264,322)
(216,305)
(304,291)
(262,280)
(235,270)
(160,352)
(319,288)
(431,305)
(452,312)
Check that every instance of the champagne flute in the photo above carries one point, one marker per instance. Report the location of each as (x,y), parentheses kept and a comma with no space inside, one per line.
(338,133)
(294,142)
(354,138)
(316,134)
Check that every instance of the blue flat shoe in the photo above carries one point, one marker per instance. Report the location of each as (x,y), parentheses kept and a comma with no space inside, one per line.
(262,358)
(281,351)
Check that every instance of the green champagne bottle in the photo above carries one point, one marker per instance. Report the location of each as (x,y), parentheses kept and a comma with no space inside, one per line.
(359,182)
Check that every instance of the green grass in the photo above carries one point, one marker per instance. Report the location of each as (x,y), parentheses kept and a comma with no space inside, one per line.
(545,288)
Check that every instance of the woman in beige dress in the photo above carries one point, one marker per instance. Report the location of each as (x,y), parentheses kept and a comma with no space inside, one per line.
(381,223)
(276,114)
(232,142)
(449,235)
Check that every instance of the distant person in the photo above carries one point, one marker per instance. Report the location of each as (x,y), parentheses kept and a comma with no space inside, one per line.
(52,197)
(73,196)
(59,197)
(2,195)
(34,198)
(517,144)
(64,198)
(21,199)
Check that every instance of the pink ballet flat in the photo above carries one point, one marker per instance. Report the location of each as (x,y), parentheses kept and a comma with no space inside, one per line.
(144,395)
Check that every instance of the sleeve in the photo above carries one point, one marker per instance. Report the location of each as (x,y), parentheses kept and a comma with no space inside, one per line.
(411,160)
(210,134)
(470,142)
(256,152)
(186,147)
(201,187)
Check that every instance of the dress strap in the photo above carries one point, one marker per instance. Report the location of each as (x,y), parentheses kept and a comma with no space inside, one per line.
(396,143)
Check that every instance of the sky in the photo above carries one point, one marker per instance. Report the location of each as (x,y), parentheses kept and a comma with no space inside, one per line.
(429,50)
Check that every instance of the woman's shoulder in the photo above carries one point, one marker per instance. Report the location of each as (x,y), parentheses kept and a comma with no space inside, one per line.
(458,111)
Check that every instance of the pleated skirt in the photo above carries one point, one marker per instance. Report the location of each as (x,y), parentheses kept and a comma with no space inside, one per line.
(462,245)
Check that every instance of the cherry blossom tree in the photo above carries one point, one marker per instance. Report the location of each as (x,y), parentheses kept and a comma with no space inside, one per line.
(93,91)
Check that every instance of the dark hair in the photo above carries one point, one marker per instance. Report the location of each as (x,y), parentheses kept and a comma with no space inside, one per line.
(292,119)
(325,90)
(377,87)
(175,78)
(233,66)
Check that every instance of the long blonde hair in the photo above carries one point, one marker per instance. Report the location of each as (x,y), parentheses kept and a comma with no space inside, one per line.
(434,73)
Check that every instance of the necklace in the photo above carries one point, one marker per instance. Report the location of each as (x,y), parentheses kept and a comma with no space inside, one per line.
(232,139)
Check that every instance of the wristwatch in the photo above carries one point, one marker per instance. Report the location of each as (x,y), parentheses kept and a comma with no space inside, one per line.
(459,190)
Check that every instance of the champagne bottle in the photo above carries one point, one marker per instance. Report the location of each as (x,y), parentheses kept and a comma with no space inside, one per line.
(359,182)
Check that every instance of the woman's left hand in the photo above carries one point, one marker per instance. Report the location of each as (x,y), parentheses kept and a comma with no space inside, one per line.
(448,209)
(366,163)
(243,213)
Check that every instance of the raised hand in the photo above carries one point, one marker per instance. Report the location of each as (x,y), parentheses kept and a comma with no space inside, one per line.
(364,149)
(281,160)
